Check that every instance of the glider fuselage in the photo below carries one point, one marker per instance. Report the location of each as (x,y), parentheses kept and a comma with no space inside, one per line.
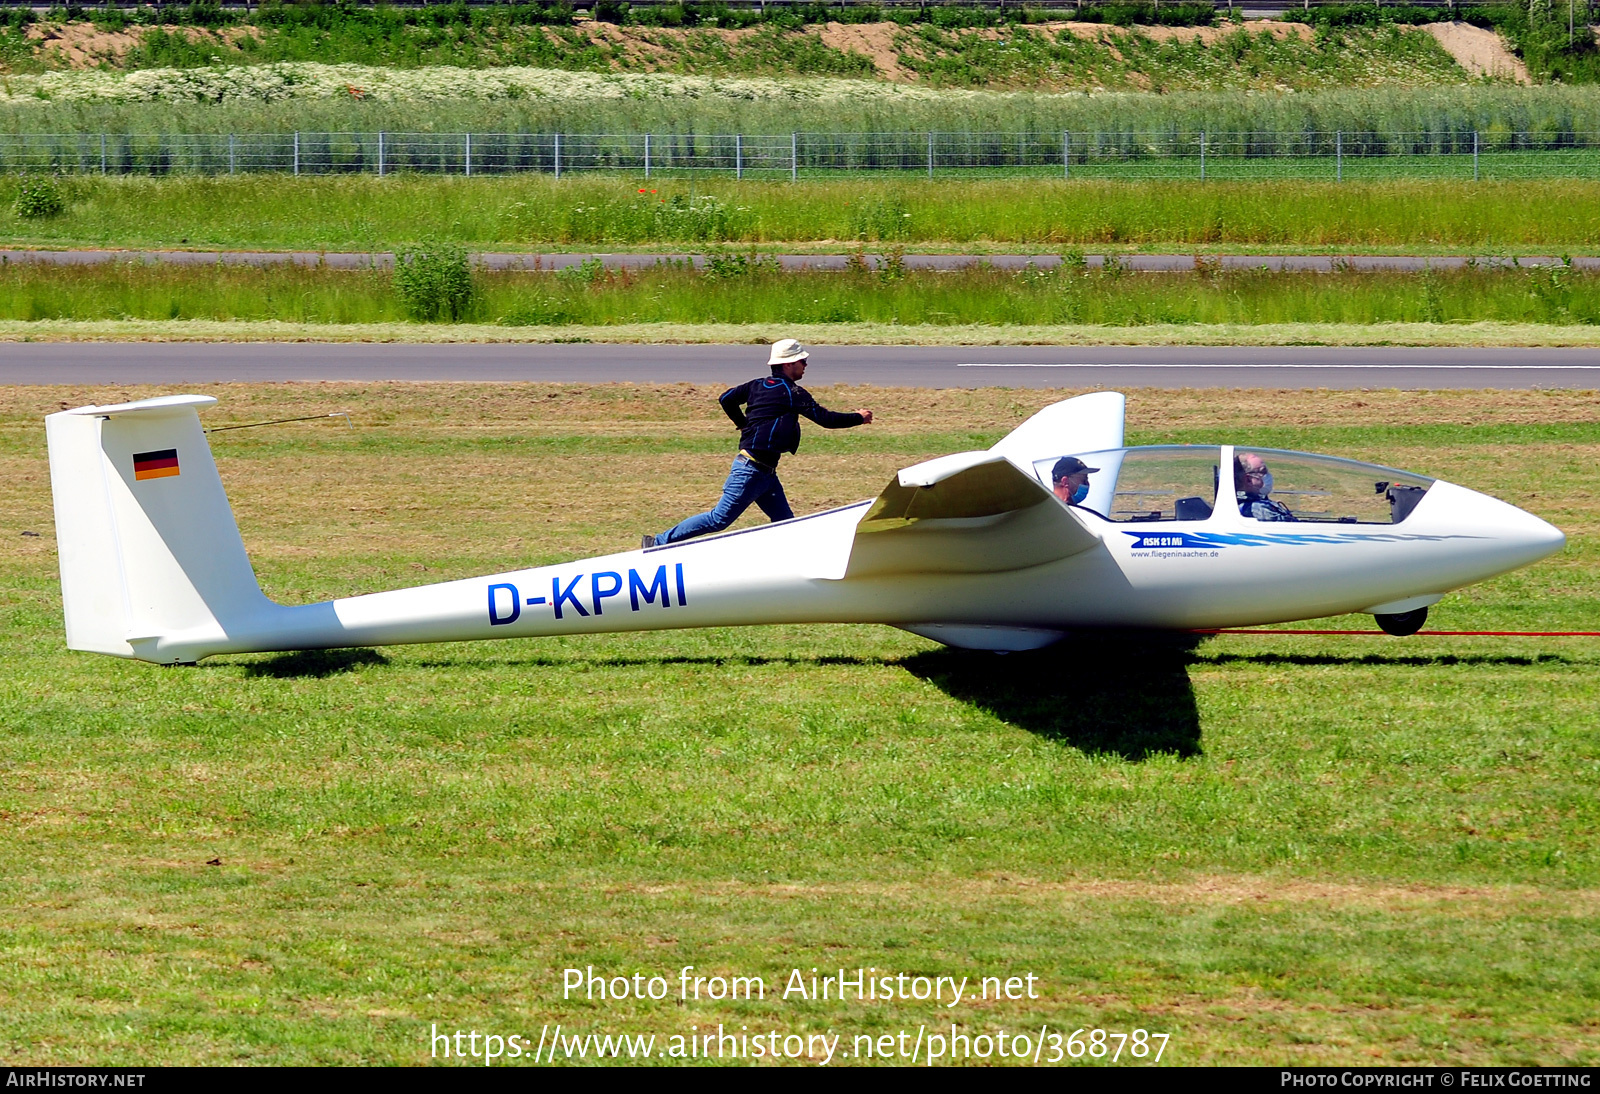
(972,549)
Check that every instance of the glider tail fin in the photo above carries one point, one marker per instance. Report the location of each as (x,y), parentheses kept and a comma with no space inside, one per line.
(1088,423)
(151,560)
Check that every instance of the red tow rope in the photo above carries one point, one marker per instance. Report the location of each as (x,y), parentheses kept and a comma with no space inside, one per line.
(1419,634)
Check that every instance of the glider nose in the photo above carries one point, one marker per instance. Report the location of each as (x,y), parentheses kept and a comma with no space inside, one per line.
(1538,538)
(1507,537)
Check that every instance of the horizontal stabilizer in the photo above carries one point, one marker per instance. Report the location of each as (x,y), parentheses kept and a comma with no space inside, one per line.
(974,512)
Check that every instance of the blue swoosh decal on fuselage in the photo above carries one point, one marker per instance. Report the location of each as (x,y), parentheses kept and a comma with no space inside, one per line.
(1150,541)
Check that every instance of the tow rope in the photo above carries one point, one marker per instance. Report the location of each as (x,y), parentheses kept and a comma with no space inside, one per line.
(282,421)
(1419,634)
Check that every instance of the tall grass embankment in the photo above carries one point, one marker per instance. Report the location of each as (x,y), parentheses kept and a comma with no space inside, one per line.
(1050,57)
(318,98)
(364,213)
(741,289)
(941,43)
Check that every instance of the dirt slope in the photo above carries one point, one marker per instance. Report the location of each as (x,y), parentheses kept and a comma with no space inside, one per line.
(1481,52)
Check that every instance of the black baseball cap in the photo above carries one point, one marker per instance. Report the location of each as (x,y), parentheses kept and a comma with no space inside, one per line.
(1069,465)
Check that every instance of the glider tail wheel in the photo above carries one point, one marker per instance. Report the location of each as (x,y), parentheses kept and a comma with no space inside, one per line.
(1403,624)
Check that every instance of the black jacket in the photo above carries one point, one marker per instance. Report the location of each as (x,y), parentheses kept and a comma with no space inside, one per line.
(771,425)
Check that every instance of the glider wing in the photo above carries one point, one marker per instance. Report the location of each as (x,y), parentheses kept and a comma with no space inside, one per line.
(974,512)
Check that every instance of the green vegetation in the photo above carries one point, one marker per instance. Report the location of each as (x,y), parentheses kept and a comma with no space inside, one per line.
(425,101)
(432,283)
(1049,57)
(1555,44)
(1279,850)
(37,198)
(1355,45)
(1555,41)
(770,50)
(1030,57)
(364,213)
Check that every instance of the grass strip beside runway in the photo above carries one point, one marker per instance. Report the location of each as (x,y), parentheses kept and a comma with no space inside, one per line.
(877,334)
(362,213)
(748,291)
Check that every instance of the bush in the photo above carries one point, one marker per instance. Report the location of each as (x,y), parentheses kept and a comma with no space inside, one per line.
(38,198)
(1366,15)
(1148,14)
(434,281)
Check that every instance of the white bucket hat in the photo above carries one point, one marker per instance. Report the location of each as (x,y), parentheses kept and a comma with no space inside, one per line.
(786,351)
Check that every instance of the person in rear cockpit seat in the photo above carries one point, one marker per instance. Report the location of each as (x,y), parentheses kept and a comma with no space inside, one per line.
(1252,482)
(1070,479)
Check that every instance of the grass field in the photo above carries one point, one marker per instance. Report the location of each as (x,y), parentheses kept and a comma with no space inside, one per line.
(366,213)
(1278,850)
(740,290)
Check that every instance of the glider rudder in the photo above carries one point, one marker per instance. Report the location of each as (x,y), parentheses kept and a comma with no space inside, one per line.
(150,554)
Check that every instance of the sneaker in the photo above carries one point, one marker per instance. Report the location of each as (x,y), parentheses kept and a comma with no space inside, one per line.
(647,541)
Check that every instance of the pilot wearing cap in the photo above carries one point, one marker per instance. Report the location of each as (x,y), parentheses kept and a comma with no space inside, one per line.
(767,411)
(1070,479)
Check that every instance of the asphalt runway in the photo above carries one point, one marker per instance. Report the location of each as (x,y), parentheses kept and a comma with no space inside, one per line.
(178,363)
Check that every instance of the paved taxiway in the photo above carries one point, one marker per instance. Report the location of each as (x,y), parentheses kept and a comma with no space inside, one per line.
(178,363)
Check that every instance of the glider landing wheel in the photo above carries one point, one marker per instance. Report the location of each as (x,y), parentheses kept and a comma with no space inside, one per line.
(1403,624)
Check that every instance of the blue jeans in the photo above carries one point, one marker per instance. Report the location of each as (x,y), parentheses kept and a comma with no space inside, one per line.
(748,482)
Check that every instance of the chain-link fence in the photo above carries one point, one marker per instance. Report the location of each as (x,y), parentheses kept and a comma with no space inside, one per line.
(1499,153)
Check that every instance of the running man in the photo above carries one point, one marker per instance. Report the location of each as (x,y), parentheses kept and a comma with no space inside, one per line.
(767,411)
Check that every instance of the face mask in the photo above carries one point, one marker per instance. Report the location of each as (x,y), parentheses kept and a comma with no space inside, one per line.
(1266,484)
(1080,493)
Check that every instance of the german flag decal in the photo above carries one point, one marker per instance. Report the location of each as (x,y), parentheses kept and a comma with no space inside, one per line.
(155,465)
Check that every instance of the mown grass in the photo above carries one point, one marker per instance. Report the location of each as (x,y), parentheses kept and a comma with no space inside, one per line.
(858,334)
(736,289)
(363,213)
(1280,850)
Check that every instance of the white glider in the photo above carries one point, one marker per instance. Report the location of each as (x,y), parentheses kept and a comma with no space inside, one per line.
(972,550)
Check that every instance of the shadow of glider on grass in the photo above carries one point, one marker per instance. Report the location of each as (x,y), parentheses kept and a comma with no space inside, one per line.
(972,550)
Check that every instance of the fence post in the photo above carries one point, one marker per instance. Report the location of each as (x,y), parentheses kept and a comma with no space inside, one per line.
(297,151)
(794,157)
(380,153)
(1338,156)
(738,156)
(232,156)
(930,155)
(1474,155)
(468,158)
(102,153)
(558,155)
(1202,157)
(647,157)
(1066,155)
